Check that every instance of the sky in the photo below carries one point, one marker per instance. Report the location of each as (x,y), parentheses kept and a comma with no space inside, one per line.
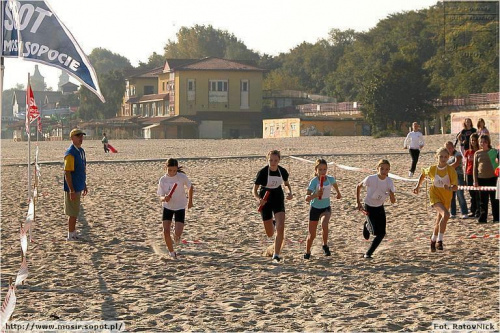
(136,29)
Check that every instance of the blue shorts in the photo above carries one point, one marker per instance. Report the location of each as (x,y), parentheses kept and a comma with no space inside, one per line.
(315,213)
(168,214)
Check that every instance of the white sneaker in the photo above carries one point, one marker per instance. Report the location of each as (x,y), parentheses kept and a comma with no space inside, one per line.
(410,174)
(173,255)
(465,216)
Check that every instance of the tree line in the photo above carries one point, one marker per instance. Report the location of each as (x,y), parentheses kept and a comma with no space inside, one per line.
(394,70)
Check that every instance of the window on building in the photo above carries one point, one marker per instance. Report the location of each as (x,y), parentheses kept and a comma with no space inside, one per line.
(153,109)
(134,109)
(271,130)
(149,90)
(163,86)
(191,90)
(218,91)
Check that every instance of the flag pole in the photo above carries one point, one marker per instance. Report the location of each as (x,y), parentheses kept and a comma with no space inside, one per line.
(28,123)
(1,60)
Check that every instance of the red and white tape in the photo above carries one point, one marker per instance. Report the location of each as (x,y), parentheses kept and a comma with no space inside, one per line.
(8,306)
(350,168)
(477,188)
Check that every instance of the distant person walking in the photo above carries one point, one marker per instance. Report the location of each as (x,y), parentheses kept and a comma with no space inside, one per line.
(414,142)
(105,143)
(75,180)
(171,189)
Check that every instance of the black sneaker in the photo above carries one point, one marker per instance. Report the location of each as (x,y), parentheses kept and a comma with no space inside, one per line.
(366,233)
(440,245)
(276,258)
(326,250)
(307,256)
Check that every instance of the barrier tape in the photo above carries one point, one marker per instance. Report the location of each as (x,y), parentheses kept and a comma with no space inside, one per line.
(9,303)
(477,188)
(350,168)
(23,273)
(8,306)
(24,241)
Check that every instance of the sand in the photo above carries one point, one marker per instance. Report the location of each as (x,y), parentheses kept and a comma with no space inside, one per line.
(120,270)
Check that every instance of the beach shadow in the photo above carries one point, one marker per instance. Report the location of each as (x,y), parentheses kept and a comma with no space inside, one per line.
(108,307)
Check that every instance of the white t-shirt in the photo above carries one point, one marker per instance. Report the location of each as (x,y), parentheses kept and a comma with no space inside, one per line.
(377,190)
(178,200)
(414,140)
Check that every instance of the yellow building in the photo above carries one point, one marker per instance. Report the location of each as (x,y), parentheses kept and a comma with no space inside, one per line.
(224,97)
(314,126)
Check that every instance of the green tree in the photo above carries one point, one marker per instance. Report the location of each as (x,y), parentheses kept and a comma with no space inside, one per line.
(113,89)
(104,61)
(205,41)
(109,68)
(384,70)
(279,80)
(154,60)
(467,56)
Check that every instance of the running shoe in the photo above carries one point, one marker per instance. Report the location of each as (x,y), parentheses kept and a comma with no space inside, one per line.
(440,245)
(326,250)
(173,255)
(366,233)
(367,256)
(410,174)
(464,216)
(276,258)
(433,246)
(307,256)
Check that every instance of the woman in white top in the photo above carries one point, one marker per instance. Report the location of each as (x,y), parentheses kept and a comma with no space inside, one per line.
(171,189)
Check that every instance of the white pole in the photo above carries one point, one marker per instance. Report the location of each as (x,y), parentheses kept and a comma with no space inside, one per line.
(29,141)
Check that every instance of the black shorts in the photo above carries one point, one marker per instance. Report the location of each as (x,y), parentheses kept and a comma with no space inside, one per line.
(168,214)
(315,213)
(271,208)
(275,203)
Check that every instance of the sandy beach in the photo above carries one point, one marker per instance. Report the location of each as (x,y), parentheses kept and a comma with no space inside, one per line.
(121,270)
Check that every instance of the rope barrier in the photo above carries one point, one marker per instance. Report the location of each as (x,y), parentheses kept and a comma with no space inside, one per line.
(350,168)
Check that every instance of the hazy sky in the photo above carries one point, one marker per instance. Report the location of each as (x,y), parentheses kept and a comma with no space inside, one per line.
(136,29)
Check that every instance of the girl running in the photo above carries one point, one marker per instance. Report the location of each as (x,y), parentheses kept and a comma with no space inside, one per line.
(444,182)
(378,188)
(318,196)
(173,196)
(270,179)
